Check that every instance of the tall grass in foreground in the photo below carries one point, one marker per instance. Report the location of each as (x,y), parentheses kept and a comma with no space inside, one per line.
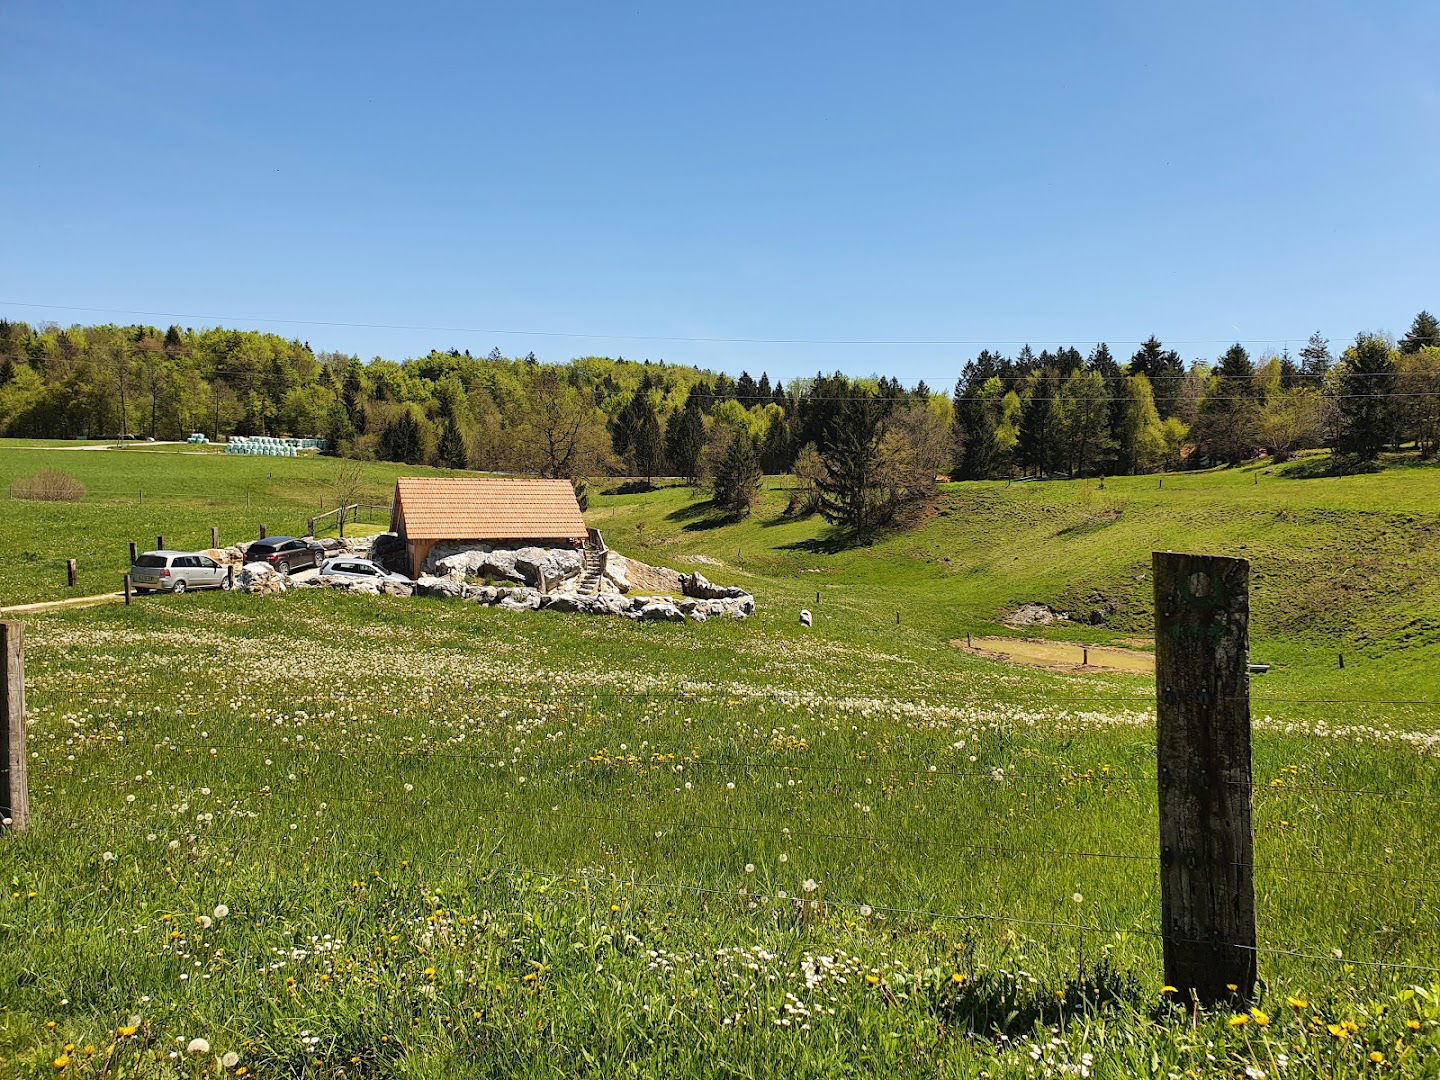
(337,835)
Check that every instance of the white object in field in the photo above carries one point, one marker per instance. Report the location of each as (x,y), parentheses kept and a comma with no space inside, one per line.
(805,619)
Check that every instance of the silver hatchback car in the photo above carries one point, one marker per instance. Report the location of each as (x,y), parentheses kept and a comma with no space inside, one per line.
(177,571)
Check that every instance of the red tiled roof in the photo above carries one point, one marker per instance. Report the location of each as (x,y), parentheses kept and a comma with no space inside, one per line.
(488,508)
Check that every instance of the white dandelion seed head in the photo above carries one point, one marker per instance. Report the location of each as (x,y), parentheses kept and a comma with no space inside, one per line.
(197,1046)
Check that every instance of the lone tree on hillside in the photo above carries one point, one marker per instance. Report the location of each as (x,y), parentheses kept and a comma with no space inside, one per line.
(1424,332)
(737,479)
(849,496)
(1367,379)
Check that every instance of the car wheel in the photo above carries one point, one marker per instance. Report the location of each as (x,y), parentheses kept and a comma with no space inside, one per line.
(283,566)
(226,584)
(178,587)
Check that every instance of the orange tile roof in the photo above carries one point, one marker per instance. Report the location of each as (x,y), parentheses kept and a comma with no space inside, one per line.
(486,508)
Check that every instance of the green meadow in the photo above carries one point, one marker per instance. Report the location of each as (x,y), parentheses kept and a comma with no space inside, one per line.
(340,835)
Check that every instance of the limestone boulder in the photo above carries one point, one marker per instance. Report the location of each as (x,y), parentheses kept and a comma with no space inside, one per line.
(261,579)
(633,575)
(444,588)
(481,594)
(661,611)
(700,587)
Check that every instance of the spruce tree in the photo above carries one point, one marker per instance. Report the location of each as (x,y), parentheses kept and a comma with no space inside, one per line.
(451,448)
(1424,333)
(1315,358)
(737,478)
(647,450)
(848,495)
(685,438)
(1163,368)
(1367,378)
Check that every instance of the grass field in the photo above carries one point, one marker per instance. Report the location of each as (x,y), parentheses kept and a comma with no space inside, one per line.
(340,835)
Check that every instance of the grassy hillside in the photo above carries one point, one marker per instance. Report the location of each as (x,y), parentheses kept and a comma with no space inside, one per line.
(455,841)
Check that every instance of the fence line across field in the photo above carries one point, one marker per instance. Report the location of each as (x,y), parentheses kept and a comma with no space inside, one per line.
(1204,780)
(996,774)
(468,859)
(672,826)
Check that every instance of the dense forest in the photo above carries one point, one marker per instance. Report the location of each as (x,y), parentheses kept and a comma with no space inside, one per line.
(862,449)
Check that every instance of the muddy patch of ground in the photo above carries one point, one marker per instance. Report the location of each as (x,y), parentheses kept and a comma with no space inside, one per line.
(1059,655)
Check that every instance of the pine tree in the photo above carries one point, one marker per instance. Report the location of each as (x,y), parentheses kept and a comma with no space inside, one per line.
(1424,333)
(737,478)
(402,439)
(745,389)
(848,494)
(647,450)
(1163,368)
(1085,405)
(685,438)
(1315,358)
(451,448)
(1367,378)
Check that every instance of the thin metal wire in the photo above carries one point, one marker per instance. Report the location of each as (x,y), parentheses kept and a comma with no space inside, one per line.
(450,858)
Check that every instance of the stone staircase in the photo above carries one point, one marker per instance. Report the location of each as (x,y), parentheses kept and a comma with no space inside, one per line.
(592,565)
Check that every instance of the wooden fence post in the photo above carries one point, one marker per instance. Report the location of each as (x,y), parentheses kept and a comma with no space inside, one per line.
(70,574)
(1202,683)
(340,521)
(134,552)
(127,590)
(214,536)
(160,543)
(310,525)
(14,790)
(262,532)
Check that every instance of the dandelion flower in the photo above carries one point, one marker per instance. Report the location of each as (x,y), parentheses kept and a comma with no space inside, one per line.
(1261,1019)
(1338,1031)
(230,1060)
(205,921)
(1239,1021)
(197,1046)
(61,1061)
(1077,898)
(810,885)
(749,868)
(1297,1003)
(221,911)
(866,911)
(1168,990)
(1377,1057)
(109,856)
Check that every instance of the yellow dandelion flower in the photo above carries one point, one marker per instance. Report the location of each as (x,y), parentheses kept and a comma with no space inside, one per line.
(1377,1057)
(957,978)
(872,979)
(1338,1031)
(1413,1025)
(1297,1003)
(1260,1018)
(61,1061)
(1239,1021)
(530,978)
(1168,990)
(126,1031)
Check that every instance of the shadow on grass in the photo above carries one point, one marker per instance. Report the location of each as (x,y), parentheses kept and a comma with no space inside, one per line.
(832,543)
(691,511)
(996,1004)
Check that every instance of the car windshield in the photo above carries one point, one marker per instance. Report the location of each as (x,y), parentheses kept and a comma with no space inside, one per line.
(153,560)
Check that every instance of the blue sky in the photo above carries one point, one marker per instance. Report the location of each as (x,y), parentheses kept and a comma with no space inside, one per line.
(957,173)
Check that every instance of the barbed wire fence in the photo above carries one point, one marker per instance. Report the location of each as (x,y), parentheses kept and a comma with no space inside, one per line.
(1140,785)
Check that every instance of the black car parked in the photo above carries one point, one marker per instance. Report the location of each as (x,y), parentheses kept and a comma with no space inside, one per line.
(287,553)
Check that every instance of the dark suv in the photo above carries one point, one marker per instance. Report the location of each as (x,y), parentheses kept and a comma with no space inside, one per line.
(287,553)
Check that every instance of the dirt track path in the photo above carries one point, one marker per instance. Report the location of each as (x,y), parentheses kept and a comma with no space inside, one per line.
(53,605)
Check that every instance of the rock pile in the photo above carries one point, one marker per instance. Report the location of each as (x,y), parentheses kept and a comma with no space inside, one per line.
(735,604)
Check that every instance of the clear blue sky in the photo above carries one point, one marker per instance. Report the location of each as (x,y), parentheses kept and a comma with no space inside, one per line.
(991,173)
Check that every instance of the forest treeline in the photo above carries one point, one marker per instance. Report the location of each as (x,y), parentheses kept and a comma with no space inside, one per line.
(863,449)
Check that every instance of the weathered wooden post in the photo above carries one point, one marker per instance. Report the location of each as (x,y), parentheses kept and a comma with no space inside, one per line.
(14,789)
(1342,661)
(134,552)
(1202,683)
(1084,656)
(262,532)
(160,543)
(214,536)
(127,590)
(310,527)
(70,574)
(340,521)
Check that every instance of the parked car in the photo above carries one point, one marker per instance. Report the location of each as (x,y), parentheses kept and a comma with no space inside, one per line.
(361,569)
(285,553)
(177,571)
